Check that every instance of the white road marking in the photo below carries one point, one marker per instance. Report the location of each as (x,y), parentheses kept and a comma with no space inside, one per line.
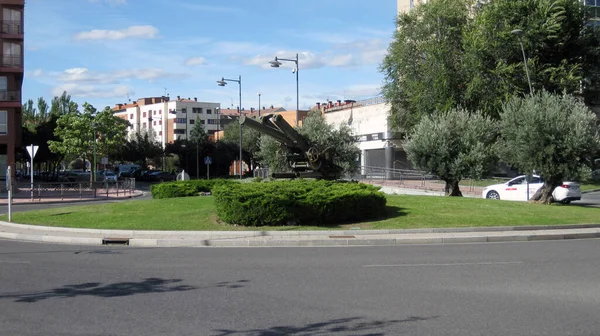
(450,264)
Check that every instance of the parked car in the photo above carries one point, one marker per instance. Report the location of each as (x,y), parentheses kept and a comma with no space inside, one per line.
(160,176)
(145,174)
(516,190)
(108,176)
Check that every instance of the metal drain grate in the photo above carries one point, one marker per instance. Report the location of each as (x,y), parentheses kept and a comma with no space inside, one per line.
(115,241)
(342,237)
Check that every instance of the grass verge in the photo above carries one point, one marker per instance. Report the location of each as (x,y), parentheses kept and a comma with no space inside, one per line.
(404,211)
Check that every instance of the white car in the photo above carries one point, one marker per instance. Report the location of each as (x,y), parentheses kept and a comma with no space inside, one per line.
(516,190)
(109,176)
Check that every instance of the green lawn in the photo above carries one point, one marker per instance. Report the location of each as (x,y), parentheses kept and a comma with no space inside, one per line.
(197,213)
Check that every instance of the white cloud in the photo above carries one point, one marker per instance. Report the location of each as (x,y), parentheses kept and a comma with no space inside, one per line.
(92,91)
(83,75)
(356,53)
(35,73)
(110,2)
(144,32)
(195,61)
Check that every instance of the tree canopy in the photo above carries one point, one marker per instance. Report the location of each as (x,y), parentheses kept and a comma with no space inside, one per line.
(453,145)
(555,136)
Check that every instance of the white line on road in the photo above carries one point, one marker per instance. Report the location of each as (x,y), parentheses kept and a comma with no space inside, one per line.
(450,264)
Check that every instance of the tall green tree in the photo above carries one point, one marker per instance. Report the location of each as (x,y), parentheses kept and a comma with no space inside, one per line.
(423,67)
(453,145)
(563,52)
(554,135)
(82,134)
(250,141)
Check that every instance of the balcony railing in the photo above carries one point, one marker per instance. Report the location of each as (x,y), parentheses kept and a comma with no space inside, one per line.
(12,27)
(12,61)
(10,95)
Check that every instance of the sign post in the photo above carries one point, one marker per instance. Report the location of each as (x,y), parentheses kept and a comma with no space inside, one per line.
(32,150)
(208,162)
(9,189)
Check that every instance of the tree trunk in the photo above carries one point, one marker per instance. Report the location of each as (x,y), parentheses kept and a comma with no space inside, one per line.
(544,194)
(452,189)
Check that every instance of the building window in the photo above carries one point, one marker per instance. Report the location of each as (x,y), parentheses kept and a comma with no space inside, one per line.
(178,131)
(154,113)
(131,116)
(154,123)
(11,55)
(160,122)
(144,116)
(594,8)
(3,122)
(144,125)
(160,133)
(208,111)
(180,120)
(183,110)
(159,111)
(196,109)
(11,21)
(212,121)
(191,121)
(201,122)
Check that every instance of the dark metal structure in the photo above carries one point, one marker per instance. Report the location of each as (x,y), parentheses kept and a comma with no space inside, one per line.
(303,158)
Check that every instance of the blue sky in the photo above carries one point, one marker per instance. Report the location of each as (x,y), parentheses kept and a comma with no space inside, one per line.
(102,51)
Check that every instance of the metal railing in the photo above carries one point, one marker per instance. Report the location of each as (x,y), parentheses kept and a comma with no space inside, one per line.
(73,190)
(12,27)
(10,95)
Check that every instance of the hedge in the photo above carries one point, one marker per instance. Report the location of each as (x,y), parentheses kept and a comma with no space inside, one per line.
(298,202)
(186,188)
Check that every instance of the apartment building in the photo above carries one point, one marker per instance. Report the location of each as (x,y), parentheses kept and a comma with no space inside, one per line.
(11,80)
(169,119)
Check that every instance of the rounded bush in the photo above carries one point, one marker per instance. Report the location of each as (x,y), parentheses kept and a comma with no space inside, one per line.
(298,202)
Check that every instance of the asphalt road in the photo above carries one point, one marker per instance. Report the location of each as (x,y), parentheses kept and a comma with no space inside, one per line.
(530,288)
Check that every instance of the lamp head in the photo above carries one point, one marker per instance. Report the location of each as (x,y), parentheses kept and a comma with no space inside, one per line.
(275,63)
(294,70)
(518,32)
(222,82)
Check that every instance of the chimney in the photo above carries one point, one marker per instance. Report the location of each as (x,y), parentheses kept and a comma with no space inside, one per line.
(318,106)
(339,103)
(178,98)
(119,106)
(195,99)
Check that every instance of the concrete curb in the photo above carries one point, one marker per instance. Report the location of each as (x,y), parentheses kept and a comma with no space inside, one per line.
(300,238)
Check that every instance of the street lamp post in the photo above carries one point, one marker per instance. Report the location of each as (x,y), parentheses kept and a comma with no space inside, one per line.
(275,64)
(223,82)
(259,104)
(519,33)
(94,167)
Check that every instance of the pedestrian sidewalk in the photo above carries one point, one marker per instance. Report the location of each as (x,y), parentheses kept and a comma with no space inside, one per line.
(294,238)
(101,195)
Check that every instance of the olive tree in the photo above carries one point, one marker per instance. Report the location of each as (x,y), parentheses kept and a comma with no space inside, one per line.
(554,135)
(453,145)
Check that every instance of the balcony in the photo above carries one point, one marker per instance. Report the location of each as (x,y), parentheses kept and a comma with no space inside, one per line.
(12,61)
(12,27)
(10,96)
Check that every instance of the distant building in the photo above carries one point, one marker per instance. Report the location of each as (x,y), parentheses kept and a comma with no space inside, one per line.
(11,80)
(169,119)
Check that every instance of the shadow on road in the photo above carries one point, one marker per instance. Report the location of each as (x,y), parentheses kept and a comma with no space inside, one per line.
(343,326)
(150,285)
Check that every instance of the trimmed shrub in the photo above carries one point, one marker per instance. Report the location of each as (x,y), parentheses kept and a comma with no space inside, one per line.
(298,202)
(186,188)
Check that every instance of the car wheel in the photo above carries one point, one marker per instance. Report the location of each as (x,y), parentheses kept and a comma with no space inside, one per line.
(565,202)
(493,195)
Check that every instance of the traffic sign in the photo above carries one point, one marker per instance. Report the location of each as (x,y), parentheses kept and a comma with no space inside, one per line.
(104,160)
(8,179)
(32,150)
(207,160)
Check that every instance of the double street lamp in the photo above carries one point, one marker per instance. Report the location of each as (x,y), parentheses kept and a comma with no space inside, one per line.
(223,82)
(519,33)
(276,63)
